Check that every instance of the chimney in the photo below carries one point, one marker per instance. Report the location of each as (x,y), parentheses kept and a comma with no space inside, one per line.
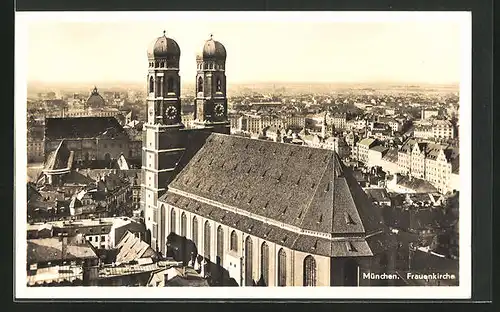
(165,278)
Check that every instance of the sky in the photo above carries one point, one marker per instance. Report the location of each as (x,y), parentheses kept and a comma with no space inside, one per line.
(92,47)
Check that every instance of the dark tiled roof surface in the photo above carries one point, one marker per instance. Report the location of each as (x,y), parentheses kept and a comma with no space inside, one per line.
(82,127)
(299,186)
(408,145)
(391,155)
(50,249)
(378,194)
(179,281)
(418,185)
(60,158)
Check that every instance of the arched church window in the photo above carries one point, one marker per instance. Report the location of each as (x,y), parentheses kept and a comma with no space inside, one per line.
(248,262)
(208,240)
(309,271)
(264,263)
(172,221)
(200,84)
(211,65)
(170,84)
(282,267)
(205,66)
(183,224)
(220,245)
(234,241)
(219,85)
(151,84)
(195,231)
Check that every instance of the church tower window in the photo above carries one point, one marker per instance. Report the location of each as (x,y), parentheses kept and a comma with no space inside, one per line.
(208,240)
(219,85)
(309,271)
(200,84)
(170,85)
(234,241)
(151,84)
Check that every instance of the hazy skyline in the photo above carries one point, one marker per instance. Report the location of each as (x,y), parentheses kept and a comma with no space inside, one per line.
(259,51)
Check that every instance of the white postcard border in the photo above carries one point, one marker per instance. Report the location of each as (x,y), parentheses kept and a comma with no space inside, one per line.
(21,291)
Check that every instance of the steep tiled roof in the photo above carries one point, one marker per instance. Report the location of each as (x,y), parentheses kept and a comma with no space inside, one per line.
(82,127)
(50,249)
(377,194)
(60,158)
(299,186)
(408,145)
(418,185)
(391,155)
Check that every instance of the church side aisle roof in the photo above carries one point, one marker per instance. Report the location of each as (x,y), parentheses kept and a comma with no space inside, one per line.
(299,186)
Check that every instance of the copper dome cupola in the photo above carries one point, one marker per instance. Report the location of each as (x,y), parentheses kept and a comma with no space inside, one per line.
(164,49)
(212,50)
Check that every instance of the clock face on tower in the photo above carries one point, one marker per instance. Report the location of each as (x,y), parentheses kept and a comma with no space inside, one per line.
(171,112)
(219,110)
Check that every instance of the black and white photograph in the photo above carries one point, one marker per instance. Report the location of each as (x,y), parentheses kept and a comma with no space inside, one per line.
(275,154)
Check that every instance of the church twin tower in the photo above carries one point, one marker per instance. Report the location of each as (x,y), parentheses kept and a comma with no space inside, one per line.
(164,84)
(167,143)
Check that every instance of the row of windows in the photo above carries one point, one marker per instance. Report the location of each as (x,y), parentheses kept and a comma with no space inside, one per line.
(96,239)
(218,85)
(170,85)
(309,272)
(209,66)
(161,64)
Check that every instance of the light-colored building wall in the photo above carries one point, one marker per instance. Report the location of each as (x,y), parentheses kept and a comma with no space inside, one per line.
(232,259)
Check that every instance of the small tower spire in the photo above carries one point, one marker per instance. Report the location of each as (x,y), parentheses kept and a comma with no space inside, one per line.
(211,35)
(164,32)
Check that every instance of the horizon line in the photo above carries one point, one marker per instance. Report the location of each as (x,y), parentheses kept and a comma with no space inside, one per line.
(399,83)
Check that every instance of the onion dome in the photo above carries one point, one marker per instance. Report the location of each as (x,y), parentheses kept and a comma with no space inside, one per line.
(212,50)
(164,47)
